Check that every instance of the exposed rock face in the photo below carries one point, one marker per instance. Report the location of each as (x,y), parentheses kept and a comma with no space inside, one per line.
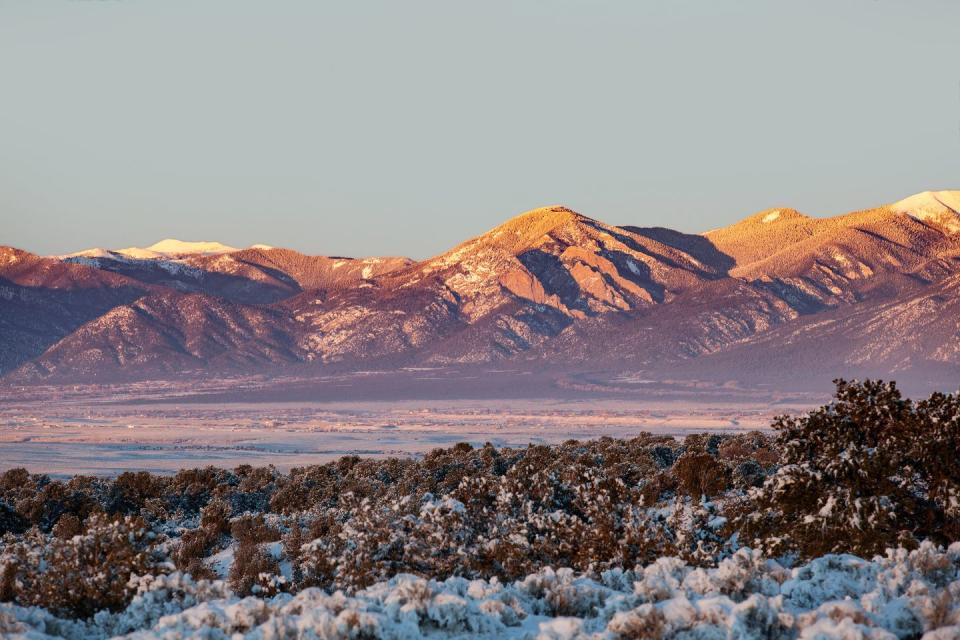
(873,290)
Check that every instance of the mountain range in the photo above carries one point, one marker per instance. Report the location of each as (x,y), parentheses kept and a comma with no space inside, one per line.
(778,296)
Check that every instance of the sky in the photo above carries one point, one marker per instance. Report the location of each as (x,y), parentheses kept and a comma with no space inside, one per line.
(403,128)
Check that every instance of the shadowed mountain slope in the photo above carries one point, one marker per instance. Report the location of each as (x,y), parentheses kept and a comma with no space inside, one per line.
(171,333)
(43,299)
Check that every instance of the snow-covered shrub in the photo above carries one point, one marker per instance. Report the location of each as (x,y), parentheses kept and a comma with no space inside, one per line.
(578,505)
(80,575)
(192,547)
(646,621)
(156,596)
(47,501)
(903,594)
(255,571)
(868,471)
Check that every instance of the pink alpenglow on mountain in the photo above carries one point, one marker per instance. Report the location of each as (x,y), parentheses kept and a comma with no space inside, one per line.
(868,292)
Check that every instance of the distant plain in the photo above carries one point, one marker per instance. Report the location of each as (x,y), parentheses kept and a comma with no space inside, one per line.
(166,426)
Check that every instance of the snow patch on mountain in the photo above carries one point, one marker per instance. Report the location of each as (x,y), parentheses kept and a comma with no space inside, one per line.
(771,217)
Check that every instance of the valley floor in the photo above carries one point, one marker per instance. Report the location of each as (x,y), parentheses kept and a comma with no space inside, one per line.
(164,426)
(69,437)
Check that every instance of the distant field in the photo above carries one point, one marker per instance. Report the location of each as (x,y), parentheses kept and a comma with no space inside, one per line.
(163,428)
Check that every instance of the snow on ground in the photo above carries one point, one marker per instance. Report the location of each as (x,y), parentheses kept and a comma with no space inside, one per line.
(836,597)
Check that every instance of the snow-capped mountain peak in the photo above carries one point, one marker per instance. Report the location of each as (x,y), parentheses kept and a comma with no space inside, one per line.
(165,249)
(168,249)
(939,207)
(171,247)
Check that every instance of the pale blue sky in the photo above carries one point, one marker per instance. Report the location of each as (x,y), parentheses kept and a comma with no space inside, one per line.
(358,128)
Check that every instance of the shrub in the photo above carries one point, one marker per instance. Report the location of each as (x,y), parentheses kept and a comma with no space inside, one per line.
(700,474)
(81,575)
(253,529)
(54,499)
(67,526)
(868,471)
(192,549)
(131,492)
(254,571)
(10,520)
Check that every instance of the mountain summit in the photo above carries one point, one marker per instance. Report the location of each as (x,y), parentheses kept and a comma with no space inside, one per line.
(779,293)
(938,207)
(168,248)
(173,247)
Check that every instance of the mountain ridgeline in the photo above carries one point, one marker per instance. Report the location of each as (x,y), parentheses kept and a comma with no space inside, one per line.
(776,296)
